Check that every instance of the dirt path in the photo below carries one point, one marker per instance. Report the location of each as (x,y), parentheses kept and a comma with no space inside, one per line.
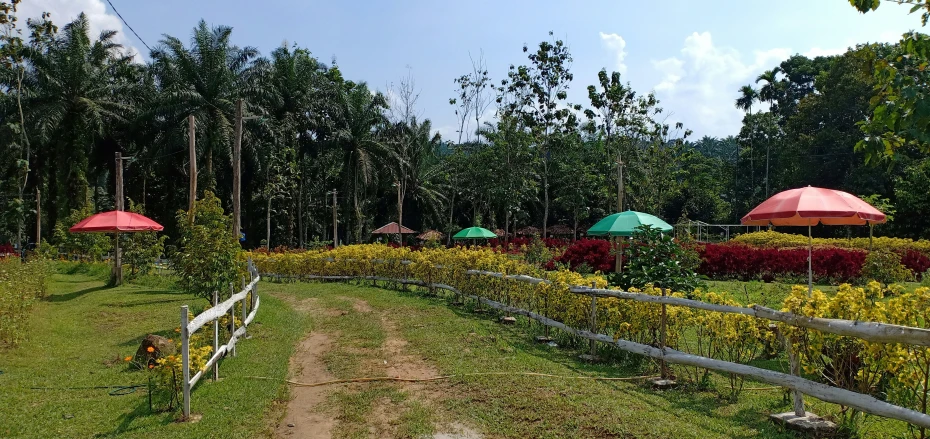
(307,418)
(303,419)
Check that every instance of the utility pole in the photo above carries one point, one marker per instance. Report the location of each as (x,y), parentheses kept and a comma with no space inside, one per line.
(237,158)
(618,258)
(38,218)
(335,223)
(400,213)
(192,152)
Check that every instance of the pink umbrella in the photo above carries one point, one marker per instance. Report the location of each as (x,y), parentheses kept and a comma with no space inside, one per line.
(116,221)
(810,206)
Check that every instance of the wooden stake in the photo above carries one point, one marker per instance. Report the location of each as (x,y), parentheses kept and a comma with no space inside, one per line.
(117,256)
(216,336)
(192,153)
(335,223)
(795,364)
(662,338)
(185,364)
(237,183)
(38,218)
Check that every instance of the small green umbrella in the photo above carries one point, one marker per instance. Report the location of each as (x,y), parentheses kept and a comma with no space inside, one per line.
(474,233)
(625,223)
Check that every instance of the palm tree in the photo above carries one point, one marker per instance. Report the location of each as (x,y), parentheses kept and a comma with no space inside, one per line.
(748,97)
(291,80)
(79,91)
(204,80)
(360,112)
(768,93)
(421,169)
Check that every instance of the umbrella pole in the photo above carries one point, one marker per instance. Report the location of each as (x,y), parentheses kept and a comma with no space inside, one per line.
(810,252)
(117,263)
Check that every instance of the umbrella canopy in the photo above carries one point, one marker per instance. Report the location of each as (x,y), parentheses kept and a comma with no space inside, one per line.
(116,221)
(430,235)
(625,223)
(391,228)
(810,206)
(474,233)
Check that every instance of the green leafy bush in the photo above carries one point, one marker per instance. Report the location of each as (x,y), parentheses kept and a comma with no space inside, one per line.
(84,246)
(142,248)
(207,258)
(655,258)
(886,267)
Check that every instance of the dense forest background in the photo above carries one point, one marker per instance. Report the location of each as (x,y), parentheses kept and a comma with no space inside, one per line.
(70,100)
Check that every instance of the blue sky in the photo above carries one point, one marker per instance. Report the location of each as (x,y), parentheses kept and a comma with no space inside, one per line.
(693,54)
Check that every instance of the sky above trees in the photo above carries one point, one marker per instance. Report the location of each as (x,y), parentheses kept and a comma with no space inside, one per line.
(695,55)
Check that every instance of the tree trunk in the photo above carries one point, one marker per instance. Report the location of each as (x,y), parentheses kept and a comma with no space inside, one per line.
(268,225)
(545,201)
(300,213)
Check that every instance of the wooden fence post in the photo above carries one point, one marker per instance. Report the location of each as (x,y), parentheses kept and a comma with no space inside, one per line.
(232,317)
(245,314)
(216,336)
(662,339)
(795,364)
(185,364)
(592,345)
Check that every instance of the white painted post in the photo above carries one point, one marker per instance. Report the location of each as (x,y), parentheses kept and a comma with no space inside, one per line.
(185,366)
(592,345)
(216,336)
(245,300)
(232,316)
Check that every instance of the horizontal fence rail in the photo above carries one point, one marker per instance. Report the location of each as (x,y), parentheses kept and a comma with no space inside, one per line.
(249,300)
(869,331)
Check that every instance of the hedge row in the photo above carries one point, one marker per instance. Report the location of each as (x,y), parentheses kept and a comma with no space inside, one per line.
(789,240)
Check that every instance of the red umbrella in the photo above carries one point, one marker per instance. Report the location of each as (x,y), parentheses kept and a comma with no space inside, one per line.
(810,206)
(116,221)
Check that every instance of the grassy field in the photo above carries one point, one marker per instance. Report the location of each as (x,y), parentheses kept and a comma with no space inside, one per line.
(82,331)
(456,341)
(78,338)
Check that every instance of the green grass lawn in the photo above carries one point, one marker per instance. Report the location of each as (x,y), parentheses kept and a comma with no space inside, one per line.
(458,341)
(78,337)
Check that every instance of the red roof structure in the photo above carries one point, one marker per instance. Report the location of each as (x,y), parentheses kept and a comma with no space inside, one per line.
(391,228)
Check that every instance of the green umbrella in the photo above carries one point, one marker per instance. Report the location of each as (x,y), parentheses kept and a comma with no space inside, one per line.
(474,233)
(625,223)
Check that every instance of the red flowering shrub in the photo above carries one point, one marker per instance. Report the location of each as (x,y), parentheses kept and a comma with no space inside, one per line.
(912,259)
(594,252)
(735,261)
(7,249)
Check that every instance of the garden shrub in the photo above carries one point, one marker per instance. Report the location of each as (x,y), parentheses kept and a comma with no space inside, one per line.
(655,258)
(207,258)
(140,249)
(85,246)
(21,284)
(594,253)
(886,267)
(744,262)
(790,240)
(915,261)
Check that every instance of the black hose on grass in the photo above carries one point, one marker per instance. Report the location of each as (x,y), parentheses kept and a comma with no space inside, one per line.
(117,390)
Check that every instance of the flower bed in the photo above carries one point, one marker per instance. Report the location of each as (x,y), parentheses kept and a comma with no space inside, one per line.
(744,262)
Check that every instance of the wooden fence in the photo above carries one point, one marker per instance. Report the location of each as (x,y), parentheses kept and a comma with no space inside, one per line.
(869,331)
(249,299)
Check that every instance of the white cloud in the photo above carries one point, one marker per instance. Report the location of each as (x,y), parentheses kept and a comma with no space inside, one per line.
(816,51)
(699,86)
(617,45)
(65,11)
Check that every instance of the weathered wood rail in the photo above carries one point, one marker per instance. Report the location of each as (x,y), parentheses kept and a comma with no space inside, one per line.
(250,301)
(869,331)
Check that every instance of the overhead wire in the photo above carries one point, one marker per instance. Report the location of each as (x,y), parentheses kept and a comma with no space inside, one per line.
(127,25)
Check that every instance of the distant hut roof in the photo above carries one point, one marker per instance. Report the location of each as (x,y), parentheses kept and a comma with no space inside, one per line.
(391,228)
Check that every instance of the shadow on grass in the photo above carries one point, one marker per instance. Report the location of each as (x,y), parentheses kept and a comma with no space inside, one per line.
(145,302)
(141,411)
(75,294)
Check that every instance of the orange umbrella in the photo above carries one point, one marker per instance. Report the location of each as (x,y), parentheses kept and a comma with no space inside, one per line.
(810,206)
